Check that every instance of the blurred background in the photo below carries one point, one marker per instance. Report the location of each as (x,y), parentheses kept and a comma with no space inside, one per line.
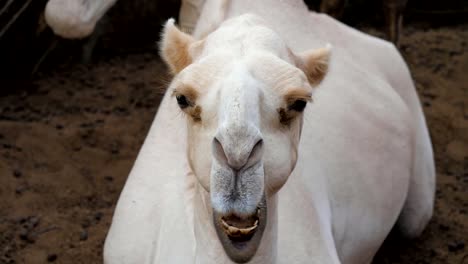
(74,113)
(28,45)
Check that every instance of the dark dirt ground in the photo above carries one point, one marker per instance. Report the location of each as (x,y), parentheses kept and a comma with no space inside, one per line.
(69,139)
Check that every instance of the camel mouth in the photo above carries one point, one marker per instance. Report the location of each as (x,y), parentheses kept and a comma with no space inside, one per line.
(239,235)
(240,228)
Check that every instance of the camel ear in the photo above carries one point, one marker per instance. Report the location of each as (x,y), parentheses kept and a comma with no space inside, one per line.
(314,63)
(174,47)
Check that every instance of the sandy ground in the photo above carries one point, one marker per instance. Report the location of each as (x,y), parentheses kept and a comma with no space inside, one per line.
(69,138)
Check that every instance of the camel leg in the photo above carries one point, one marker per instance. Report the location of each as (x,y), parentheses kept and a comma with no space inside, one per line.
(90,43)
(393,10)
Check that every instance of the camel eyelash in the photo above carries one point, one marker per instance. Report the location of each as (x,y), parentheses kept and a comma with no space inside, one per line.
(187,106)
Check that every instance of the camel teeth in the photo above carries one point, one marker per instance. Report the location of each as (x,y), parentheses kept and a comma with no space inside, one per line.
(225,225)
(248,231)
(236,232)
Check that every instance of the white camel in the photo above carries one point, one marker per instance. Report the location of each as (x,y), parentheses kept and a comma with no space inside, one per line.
(76,19)
(272,147)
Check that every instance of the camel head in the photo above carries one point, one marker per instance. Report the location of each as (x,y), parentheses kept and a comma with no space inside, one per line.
(243,93)
(75,19)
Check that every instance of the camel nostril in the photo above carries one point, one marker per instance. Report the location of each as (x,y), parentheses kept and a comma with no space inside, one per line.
(258,145)
(255,154)
(237,154)
(218,151)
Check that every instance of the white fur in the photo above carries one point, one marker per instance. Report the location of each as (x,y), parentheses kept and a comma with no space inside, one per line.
(75,18)
(364,158)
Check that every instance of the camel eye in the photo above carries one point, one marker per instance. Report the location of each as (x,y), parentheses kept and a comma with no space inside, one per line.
(182,101)
(298,105)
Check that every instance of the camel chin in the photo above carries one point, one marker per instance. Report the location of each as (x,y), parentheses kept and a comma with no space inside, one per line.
(240,236)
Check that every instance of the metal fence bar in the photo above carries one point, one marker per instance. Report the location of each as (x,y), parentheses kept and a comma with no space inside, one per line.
(15,17)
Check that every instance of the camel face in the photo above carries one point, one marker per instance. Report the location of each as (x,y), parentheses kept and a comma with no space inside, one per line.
(243,93)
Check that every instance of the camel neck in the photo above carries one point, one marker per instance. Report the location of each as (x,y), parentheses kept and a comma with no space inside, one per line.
(207,244)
